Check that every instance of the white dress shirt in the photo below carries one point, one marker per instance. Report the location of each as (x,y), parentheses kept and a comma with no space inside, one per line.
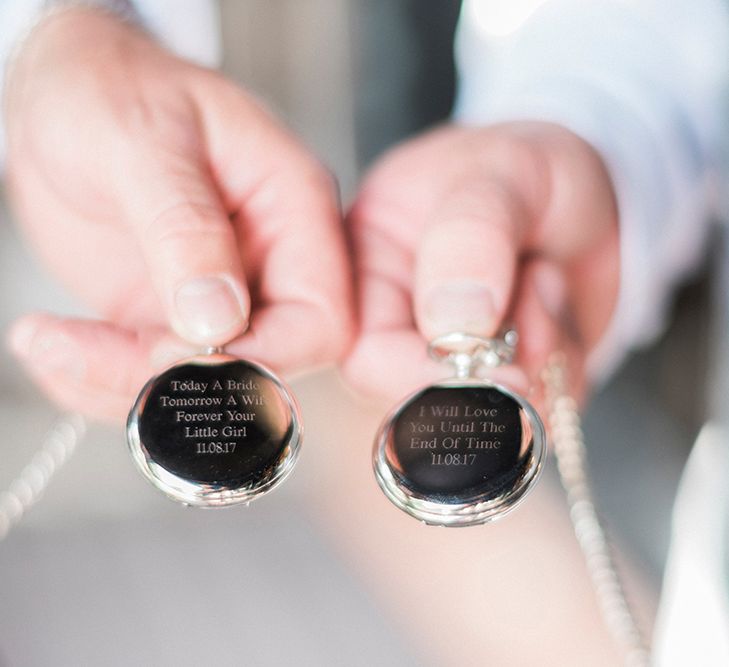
(643,82)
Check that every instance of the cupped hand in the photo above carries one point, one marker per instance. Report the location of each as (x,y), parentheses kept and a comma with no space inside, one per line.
(169,201)
(475,229)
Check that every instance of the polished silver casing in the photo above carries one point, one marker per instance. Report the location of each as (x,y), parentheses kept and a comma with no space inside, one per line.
(199,494)
(469,511)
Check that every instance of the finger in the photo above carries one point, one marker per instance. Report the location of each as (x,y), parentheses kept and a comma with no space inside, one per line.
(389,355)
(473,201)
(594,280)
(188,243)
(89,366)
(390,364)
(289,224)
(395,363)
(572,197)
(466,260)
(120,288)
(303,311)
(542,316)
(390,358)
(288,337)
(558,177)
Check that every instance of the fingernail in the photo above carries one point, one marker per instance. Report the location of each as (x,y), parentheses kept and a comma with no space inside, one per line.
(46,351)
(466,306)
(207,308)
(551,289)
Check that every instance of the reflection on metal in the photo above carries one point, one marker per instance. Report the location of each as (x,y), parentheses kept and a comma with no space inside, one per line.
(215,430)
(429,471)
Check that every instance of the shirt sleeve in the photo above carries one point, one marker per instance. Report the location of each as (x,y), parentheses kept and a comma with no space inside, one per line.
(189,28)
(643,82)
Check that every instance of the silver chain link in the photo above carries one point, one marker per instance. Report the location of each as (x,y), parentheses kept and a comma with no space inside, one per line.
(569,446)
(26,489)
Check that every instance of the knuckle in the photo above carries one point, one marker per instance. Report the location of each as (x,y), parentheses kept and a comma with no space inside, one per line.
(512,154)
(482,203)
(505,145)
(377,209)
(319,178)
(182,222)
(500,208)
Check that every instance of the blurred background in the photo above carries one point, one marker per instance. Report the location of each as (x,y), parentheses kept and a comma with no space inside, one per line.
(106,571)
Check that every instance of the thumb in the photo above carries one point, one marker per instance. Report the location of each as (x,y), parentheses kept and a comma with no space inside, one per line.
(190,248)
(466,261)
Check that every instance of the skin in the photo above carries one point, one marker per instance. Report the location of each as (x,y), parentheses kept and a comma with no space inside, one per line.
(154,172)
(133,173)
(466,229)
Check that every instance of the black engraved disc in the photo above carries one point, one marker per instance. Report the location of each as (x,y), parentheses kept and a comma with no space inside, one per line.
(216,423)
(458,441)
(459,452)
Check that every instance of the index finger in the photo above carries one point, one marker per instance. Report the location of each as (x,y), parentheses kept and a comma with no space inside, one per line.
(288,226)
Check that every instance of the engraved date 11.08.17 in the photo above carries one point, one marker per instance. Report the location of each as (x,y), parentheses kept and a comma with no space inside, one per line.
(451,459)
(215,447)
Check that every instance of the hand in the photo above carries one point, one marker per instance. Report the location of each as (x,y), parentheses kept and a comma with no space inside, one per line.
(468,229)
(163,196)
